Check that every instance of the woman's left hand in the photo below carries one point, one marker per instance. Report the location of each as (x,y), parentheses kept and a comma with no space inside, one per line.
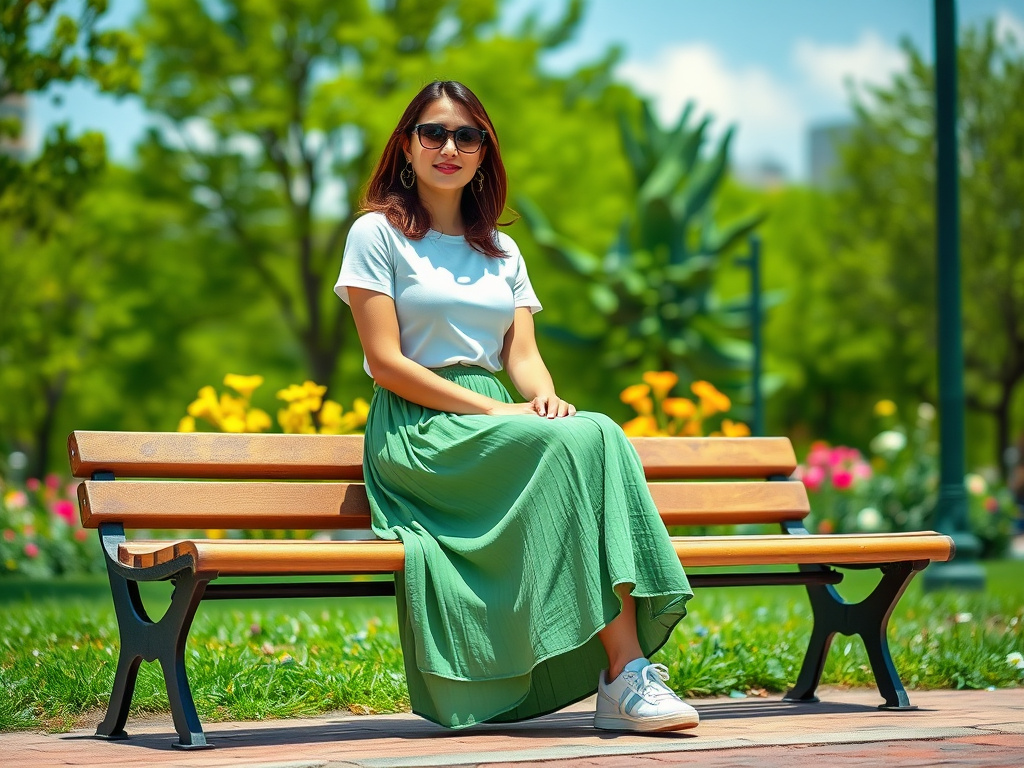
(552,406)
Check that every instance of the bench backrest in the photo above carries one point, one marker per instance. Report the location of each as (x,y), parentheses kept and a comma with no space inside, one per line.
(314,482)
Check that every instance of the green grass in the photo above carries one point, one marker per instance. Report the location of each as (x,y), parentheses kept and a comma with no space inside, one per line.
(265,659)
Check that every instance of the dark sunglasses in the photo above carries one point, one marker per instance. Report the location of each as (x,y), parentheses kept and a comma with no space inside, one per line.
(435,136)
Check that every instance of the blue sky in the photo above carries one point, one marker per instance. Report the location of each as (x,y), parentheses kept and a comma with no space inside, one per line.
(772,67)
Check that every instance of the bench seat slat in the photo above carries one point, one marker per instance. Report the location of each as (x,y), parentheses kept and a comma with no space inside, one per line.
(165,504)
(277,557)
(340,457)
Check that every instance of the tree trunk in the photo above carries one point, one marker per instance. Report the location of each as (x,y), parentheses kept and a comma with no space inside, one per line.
(53,391)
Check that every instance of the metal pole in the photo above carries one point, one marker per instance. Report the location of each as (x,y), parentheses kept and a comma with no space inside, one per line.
(951,509)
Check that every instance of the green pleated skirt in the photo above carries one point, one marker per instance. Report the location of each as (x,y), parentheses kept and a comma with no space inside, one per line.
(516,529)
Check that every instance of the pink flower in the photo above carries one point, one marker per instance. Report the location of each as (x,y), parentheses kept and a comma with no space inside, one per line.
(65,510)
(81,534)
(28,530)
(71,491)
(798,473)
(53,481)
(31,550)
(842,479)
(992,504)
(32,484)
(862,470)
(814,477)
(9,534)
(819,455)
(837,456)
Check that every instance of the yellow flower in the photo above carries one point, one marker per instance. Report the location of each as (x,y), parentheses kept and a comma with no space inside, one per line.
(295,420)
(661,382)
(633,393)
(330,414)
(257,420)
(678,407)
(641,426)
(232,406)
(692,428)
(361,408)
(885,408)
(233,423)
(216,534)
(644,406)
(206,406)
(711,400)
(187,424)
(732,429)
(243,385)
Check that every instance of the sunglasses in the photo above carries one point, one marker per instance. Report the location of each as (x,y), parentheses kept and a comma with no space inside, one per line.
(435,136)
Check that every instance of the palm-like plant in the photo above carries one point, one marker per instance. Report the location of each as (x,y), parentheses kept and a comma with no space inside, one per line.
(654,286)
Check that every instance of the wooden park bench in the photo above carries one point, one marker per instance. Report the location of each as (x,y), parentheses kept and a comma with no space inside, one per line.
(256,488)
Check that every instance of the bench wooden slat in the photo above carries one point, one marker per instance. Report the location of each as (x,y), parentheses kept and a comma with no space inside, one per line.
(339,457)
(276,557)
(165,504)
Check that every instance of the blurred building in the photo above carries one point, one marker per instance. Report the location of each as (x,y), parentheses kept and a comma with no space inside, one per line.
(15,105)
(766,173)
(824,143)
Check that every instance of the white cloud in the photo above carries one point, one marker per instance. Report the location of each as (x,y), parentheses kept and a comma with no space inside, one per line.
(1008,25)
(827,67)
(764,108)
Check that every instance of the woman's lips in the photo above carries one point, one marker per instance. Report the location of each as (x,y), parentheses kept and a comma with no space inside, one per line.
(448,169)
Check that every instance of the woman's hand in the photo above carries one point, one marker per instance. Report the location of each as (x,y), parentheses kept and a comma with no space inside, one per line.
(552,406)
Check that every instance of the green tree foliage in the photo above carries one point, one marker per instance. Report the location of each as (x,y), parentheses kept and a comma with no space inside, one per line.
(858,262)
(277,112)
(40,45)
(889,199)
(654,287)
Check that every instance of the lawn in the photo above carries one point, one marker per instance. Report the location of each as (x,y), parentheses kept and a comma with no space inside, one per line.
(265,659)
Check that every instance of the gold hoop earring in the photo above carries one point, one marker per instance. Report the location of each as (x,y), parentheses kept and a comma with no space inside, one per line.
(408,176)
(478,180)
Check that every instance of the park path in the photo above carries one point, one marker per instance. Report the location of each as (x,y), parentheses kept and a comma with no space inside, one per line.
(961,728)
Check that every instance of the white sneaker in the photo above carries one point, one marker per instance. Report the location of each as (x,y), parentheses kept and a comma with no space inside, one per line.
(639,700)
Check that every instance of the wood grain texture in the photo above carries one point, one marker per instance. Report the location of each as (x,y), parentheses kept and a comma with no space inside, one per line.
(339,457)
(230,557)
(165,504)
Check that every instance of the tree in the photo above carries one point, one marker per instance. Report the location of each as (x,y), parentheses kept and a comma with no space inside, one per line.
(39,46)
(654,287)
(887,199)
(275,114)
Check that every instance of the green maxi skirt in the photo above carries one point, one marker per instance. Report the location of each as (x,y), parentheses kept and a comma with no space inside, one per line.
(516,529)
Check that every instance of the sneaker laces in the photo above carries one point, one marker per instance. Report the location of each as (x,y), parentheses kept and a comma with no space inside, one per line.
(654,677)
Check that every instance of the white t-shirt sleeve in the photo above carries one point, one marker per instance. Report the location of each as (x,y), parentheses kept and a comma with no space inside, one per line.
(367,261)
(522,289)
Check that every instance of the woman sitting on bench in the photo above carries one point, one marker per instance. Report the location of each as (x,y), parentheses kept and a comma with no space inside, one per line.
(537,568)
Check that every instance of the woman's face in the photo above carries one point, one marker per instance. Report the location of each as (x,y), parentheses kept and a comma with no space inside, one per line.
(444,169)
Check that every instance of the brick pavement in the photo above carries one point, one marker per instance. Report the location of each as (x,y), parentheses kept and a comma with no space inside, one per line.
(961,728)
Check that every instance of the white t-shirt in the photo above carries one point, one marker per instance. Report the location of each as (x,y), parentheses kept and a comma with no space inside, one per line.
(454,304)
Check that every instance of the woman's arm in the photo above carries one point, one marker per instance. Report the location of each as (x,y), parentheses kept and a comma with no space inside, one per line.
(377,325)
(522,360)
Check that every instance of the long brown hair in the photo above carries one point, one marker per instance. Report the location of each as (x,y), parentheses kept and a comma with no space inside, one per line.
(403,208)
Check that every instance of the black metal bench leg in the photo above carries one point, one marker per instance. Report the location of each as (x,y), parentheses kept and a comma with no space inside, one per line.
(131,621)
(188,592)
(814,663)
(869,619)
(880,603)
(145,640)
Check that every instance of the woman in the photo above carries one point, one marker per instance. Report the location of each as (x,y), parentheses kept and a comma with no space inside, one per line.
(537,568)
